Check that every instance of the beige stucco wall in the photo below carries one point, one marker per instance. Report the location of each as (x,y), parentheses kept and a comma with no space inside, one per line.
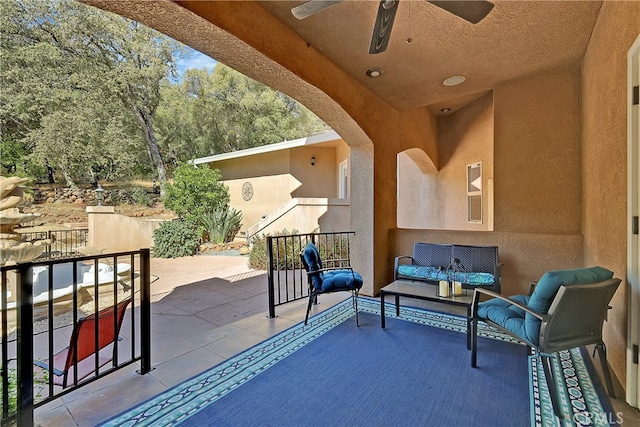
(464,138)
(269,193)
(437,199)
(278,177)
(316,181)
(305,215)
(538,173)
(418,194)
(115,233)
(604,156)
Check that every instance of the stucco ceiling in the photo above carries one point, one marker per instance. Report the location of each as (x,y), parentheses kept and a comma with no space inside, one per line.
(517,38)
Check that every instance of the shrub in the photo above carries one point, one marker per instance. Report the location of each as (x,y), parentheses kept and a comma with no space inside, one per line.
(175,238)
(258,253)
(222,225)
(195,192)
(117,199)
(286,255)
(120,196)
(333,248)
(140,197)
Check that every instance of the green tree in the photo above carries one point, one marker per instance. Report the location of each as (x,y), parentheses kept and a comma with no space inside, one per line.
(254,114)
(74,75)
(222,111)
(96,95)
(196,191)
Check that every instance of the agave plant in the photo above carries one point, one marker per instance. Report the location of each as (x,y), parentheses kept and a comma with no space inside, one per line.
(222,225)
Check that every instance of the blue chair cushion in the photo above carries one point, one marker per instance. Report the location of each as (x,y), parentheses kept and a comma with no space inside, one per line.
(550,283)
(498,305)
(525,325)
(340,280)
(314,262)
(332,280)
(502,312)
(548,287)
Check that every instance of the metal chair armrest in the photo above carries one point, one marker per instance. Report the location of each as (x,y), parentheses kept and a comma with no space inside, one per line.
(476,298)
(398,258)
(396,264)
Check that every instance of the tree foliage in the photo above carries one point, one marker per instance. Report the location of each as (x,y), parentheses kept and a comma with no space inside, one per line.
(223,111)
(94,94)
(82,86)
(196,192)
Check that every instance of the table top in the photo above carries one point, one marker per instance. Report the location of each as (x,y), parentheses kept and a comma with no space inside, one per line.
(425,291)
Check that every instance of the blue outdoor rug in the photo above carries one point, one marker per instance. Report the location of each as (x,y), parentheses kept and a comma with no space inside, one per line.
(332,373)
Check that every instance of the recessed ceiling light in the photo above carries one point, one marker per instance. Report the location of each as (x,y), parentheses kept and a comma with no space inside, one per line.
(445,110)
(374,72)
(452,81)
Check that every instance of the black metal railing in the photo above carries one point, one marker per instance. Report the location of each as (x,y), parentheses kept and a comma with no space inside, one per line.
(63,243)
(286,277)
(42,304)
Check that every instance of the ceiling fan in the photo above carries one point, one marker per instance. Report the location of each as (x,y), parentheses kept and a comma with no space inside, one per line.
(473,11)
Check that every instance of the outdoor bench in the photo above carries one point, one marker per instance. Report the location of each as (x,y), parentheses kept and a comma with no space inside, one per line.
(473,266)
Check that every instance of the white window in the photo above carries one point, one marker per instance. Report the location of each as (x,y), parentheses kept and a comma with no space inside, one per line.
(474,193)
(343,180)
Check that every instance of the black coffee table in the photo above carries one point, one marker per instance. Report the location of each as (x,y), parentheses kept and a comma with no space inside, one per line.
(427,292)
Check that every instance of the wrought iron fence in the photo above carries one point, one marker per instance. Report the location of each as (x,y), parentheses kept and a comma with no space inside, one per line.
(45,303)
(286,277)
(63,243)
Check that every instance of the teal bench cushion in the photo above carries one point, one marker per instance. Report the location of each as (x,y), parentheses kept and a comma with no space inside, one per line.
(439,273)
(422,272)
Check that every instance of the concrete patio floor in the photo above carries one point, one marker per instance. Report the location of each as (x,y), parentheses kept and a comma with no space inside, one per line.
(205,309)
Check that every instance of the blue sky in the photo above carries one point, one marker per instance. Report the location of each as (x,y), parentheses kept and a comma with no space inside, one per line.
(195,60)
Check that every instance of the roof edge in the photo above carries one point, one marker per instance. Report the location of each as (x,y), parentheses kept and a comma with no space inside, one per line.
(316,138)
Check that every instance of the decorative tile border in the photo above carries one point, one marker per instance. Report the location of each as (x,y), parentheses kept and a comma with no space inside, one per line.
(577,393)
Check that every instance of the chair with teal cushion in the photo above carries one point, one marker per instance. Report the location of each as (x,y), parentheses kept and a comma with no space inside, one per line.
(565,310)
(324,280)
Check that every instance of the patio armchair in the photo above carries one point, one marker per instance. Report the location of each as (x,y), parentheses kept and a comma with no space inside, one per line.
(566,309)
(90,335)
(324,280)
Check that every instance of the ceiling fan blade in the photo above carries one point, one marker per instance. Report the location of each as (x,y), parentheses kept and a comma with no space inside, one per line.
(473,11)
(382,29)
(312,7)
